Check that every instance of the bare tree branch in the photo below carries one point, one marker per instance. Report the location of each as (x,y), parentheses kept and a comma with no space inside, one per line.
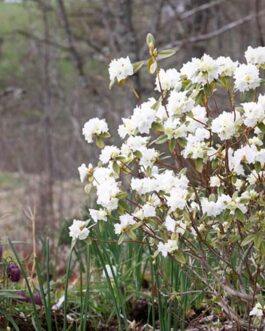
(258,22)
(215,33)
(201,8)
(75,54)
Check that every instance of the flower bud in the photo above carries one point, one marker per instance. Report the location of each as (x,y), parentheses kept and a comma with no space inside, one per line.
(150,41)
(13,272)
(37,299)
(23,297)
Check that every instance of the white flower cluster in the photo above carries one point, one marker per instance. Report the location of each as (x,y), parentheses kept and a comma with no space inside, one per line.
(211,164)
(257,311)
(120,69)
(94,127)
(78,230)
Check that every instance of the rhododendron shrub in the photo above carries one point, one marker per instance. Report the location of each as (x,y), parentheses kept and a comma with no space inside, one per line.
(189,174)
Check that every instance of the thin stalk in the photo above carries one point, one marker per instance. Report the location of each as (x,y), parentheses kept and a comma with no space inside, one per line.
(35,313)
(66,289)
(110,285)
(84,308)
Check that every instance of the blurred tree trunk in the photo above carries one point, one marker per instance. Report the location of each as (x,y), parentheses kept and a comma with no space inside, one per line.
(47,201)
(127,43)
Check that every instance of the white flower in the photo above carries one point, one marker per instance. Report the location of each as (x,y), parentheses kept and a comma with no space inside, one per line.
(168,247)
(244,154)
(260,157)
(125,221)
(246,77)
(202,134)
(225,126)
(169,80)
(253,177)
(78,230)
(98,215)
(179,103)
(110,271)
(144,185)
(106,193)
(227,67)
(174,226)
(180,227)
(238,184)
(198,119)
(255,55)
(168,180)
(195,149)
(108,153)
(253,113)
(212,208)
(234,204)
(215,181)
(134,144)
(120,69)
(201,71)
(102,175)
(145,212)
(257,310)
(255,141)
(144,116)
(174,128)
(177,198)
(126,128)
(94,126)
(149,156)
(170,224)
(84,171)
(209,207)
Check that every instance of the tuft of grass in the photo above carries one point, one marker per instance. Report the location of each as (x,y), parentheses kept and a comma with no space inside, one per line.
(9,181)
(13,17)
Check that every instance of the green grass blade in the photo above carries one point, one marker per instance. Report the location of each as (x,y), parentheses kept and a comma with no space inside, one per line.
(37,323)
(66,289)
(84,307)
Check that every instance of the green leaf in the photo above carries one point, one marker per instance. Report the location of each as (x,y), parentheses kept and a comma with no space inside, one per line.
(150,40)
(257,166)
(157,104)
(136,225)
(157,127)
(116,168)
(180,257)
(9,294)
(234,238)
(182,142)
(122,195)
(161,140)
(172,145)
(164,54)
(199,165)
(248,240)
(105,135)
(240,215)
(123,205)
(122,238)
(100,142)
(258,238)
(261,126)
(137,66)
(131,235)
(262,248)
(152,65)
